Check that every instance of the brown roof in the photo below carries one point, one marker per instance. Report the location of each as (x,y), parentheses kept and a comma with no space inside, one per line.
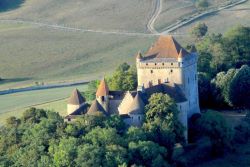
(96,109)
(137,106)
(166,47)
(173,90)
(139,55)
(103,89)
(76,98)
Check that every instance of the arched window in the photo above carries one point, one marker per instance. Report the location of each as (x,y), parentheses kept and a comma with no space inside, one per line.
(151,71)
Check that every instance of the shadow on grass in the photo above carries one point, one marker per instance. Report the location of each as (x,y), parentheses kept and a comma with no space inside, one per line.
(4,81)
(7,5)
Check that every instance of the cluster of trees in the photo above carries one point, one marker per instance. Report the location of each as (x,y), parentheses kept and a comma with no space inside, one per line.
(42,138)
(223,67)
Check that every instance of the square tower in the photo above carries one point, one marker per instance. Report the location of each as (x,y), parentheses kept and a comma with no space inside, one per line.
(168,62)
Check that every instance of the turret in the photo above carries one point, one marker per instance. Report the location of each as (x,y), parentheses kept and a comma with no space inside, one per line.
(75,101)
(102,94)
(139,57)
(181,57)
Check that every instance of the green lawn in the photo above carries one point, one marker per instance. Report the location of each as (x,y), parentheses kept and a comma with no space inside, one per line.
(52,99)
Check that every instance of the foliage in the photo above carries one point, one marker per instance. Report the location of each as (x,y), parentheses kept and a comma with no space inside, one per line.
(214,126)
(199,30)
(89,94)
(204,87)
(124,78)
(147,153)
(232,87)
(162,122)
(219,53)
(201,4)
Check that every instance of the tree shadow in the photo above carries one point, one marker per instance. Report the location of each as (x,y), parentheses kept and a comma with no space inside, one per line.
(7,5)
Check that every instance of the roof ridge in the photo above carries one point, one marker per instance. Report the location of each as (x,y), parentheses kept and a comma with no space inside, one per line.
(76,98)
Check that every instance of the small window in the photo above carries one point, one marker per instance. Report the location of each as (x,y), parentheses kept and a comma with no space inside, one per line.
(102,98)
(195,76)
(151,71)
(139,118)
(180,107)
(163,64)
(172,64)
(188,80)
(171,71)
(146,64)
(69,119)
(155,63)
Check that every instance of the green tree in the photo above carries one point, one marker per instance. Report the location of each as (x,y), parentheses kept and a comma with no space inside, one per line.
(239,92)
(199,30)
(147,153)
(64,152)
(124,78)
(201,4)
(214,126)
(237,46)
(91,90)
(204,89)
(162,124)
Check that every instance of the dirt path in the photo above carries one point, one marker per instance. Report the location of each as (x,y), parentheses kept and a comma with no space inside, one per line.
(178,24)
(156,13)
(72,29)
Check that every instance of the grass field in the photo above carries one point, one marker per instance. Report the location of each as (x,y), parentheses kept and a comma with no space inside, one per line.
(223,20)
(45,54)
(175,10)
(91,14)
(52,99)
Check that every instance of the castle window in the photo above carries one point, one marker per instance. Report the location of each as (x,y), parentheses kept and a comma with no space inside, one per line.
(195,76)
(151,71)
(180,107)
(163,64)
(139,118)
(188,80)
(69,119)
(171,71)
(146,64)
(102,98)
(155,63)
(172,64)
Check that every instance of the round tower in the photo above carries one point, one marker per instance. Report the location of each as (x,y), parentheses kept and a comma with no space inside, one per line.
(75,101)
(102,95)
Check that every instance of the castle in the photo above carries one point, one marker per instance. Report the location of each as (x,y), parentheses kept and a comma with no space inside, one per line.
(166,68)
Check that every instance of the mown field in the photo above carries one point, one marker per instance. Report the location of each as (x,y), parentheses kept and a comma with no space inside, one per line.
(223,20)
(176,10)
(52,99)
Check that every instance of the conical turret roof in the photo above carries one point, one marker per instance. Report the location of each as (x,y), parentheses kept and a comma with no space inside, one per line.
(137,106)
(166,47)
(96,108)
(139,55)
(76,98)
(103,89)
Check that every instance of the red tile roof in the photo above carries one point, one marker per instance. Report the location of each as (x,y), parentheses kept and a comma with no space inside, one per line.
(103,89)
(166,47)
